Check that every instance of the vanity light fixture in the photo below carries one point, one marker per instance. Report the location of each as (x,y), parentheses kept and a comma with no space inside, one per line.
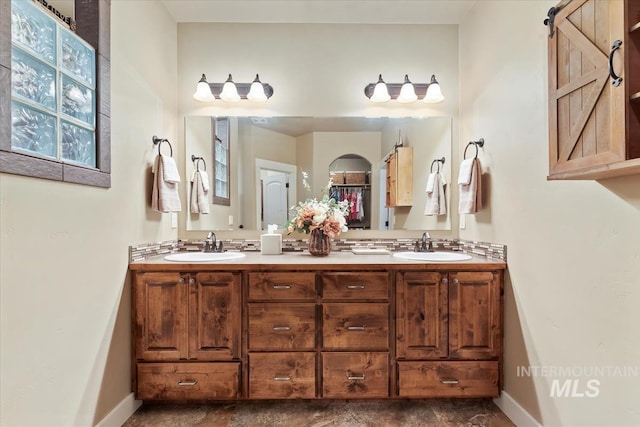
(229,91)
(404,92)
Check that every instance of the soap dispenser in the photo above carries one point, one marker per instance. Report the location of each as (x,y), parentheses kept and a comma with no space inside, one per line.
(271,242)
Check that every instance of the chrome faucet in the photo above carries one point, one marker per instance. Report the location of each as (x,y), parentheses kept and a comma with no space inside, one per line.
(425,244)
(210,243)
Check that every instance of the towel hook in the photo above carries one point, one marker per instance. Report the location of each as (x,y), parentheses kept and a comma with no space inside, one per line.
(478,143)
(438,161)
(196,161)
(158,141)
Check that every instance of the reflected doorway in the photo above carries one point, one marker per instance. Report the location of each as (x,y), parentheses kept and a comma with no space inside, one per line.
(276,182)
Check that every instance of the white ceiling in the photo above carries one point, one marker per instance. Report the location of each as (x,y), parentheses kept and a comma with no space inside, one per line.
(320,11)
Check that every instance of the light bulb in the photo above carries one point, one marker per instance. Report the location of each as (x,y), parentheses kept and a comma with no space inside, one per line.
(434,94)
(407,92)
(229,91)
(380,92)
(203,91)
(256,93)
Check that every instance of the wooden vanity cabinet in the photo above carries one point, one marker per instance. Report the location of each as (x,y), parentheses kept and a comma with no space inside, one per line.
(179,318)
(368,333)
(447,322)
(594,125)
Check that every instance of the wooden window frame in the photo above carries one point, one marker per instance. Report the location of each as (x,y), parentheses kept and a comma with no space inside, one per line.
(217,199)
(93,22)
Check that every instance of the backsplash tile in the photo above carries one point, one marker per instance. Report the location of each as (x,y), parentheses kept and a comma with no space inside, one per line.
(484,249)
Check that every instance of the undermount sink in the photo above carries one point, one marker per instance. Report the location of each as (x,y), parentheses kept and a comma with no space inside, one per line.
(433,256)
(203,256)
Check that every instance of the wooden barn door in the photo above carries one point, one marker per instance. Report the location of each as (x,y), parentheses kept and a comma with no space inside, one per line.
(586,112)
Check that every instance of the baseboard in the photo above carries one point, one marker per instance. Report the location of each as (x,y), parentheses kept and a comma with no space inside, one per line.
(121,412)
(514,411)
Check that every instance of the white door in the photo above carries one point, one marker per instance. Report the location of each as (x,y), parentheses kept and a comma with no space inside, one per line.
(274,200)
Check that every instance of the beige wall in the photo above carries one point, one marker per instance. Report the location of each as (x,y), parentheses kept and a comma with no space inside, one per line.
(574,247)
(316,69)
(64,299)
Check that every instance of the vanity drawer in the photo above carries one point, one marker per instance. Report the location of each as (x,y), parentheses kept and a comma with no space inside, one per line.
(282,286)
(369,286)
(282,375)
(448,379)
(282,326)
(355,326)
(188,381)
(355,375)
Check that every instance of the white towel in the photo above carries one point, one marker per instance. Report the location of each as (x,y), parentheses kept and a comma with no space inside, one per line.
(471,194)
(205,180)
(170,169)
(464,177)
(199,196)
(164,195)
(430,182)
(436,201)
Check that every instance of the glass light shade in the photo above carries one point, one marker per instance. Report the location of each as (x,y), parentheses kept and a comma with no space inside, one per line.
(229,91)
(256,92)
(203,91)
(380,92)
(434,94)
(407,91)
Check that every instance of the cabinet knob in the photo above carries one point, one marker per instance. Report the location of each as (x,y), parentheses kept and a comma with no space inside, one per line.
(445,280)
(449,381)
(456,281)
(282,328)
(281,286)
(355,328)
(282,378)
(181,280)
(355,286)
(192,281)
(355,377)
(187,383)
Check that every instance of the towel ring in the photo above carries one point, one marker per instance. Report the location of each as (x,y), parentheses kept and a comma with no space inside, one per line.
(196,161)
(438,161)
(478,143)
(158,141)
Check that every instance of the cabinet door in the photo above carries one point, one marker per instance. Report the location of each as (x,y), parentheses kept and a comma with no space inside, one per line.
(214,316)
(475,315)
(160,316)
(421,299)
(586,112)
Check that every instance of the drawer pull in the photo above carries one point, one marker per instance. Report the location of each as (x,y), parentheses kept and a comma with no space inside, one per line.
(281,286)
(449,381)
(355,328)
(187,383)
(282,328)
(355,377)
(286,378)
(355,286)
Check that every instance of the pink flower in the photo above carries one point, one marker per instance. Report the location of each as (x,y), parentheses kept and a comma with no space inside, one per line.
(331,227)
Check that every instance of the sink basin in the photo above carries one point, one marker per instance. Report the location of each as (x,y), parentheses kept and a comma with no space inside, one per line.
(433,256)
(203,256)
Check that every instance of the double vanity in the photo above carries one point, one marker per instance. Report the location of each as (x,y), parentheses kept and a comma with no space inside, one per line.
(293,326)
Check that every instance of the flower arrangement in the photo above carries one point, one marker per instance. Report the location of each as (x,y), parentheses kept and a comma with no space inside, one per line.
(325,214)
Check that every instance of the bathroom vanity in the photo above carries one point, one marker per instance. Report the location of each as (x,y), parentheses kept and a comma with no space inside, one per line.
(294,326)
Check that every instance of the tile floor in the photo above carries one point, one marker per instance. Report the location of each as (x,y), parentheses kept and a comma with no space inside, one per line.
(399,413)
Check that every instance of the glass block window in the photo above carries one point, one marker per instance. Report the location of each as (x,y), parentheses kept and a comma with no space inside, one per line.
(220,137)
(53,88)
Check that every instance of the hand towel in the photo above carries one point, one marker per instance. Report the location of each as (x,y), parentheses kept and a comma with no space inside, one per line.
(170,169)
(464,177)
(205,180)
(164,195)
(199,196)
(430,182)
(436,201)
(471,194)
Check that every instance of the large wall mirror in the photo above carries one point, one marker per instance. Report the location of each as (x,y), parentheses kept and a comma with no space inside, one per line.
(267,156)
